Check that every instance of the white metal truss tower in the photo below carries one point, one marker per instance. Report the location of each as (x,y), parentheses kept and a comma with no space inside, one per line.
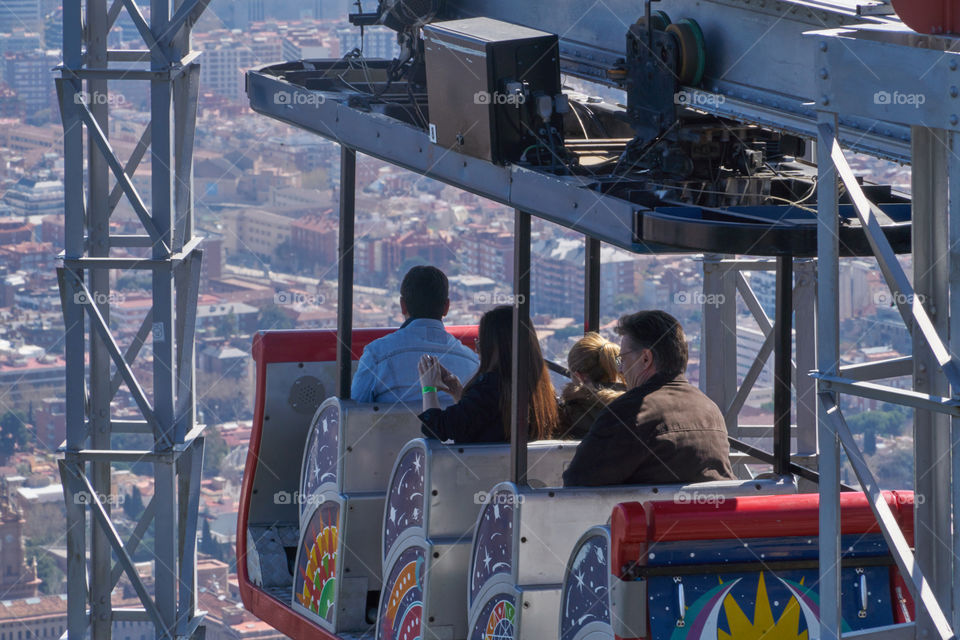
(95,180)
(929,305)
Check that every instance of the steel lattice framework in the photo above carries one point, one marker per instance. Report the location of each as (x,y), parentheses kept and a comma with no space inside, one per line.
(95,181)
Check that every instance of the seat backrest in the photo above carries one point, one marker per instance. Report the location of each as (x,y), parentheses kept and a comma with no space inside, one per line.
(436,490)
(352,447)
(524,535)
(755,558)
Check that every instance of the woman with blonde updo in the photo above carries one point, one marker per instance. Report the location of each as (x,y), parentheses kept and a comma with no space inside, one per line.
(595,382)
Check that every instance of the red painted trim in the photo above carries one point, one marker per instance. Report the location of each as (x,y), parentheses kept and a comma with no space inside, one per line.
(760,517)
(628,535)
(321,345)
(292,346)
(898,589)
(929,16)
(633,526)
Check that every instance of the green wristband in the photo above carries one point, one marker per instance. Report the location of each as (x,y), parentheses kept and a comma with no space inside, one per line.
(429,390)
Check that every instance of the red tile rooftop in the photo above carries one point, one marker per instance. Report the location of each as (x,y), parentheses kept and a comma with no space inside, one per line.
(35,364)
(27,608)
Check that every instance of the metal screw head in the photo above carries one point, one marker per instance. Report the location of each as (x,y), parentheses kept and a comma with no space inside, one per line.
(824,74)
(823,46)
(825,100)
(954,119)
(954,92)
(953,65)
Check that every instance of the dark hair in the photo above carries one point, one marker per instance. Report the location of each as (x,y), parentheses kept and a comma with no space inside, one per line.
(662,334)
(425,291)
(496,338)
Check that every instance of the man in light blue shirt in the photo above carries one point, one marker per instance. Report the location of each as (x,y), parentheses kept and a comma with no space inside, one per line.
(387,371)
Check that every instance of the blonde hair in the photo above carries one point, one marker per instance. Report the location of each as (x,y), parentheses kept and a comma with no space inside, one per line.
(595,358)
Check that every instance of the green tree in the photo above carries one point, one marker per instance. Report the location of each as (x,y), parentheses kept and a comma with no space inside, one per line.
(13,433)
(133,506)
(273,317)
(226,326)
(215,449)
(50,573)
(208,545)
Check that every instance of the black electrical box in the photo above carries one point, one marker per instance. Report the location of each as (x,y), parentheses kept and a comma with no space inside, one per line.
(493,90)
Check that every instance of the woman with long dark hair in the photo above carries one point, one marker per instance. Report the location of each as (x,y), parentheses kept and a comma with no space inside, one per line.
(482,409)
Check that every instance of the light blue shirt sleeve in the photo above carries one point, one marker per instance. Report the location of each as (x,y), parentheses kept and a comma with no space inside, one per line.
(363,387)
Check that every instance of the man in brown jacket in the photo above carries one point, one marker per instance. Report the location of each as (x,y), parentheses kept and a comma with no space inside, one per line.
(663,429)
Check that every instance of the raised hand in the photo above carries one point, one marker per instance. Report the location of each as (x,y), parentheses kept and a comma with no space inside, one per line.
(451,383)
(430,371)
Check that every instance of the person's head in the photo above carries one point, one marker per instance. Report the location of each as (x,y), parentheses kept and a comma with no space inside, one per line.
(495,347)
(424,293)
(593,359)
(651,342)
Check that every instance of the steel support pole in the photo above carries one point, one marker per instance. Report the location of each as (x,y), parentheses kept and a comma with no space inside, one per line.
(805,355)
(931,430)
(828,362)
(98,226)
(718,368)
(953,175)
(168,412)
(520,392)
(591,285)
(161,204)
(348,182)
(74,322)
(783,365)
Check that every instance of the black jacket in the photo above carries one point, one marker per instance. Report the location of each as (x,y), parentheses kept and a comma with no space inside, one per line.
(664,431)
(476,418)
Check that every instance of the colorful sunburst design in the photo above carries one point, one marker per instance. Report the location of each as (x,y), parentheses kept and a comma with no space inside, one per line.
(401,601)
(703,616)
(500,622)
(316,581)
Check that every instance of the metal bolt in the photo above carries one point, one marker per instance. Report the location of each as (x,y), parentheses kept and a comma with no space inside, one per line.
(824,74)
(954,120)
(953,65)
(823,46)
(825,100)
(954,92)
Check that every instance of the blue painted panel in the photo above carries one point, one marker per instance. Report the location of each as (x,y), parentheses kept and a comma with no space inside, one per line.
(405,499)
(773,606)
(322,454)
(586,586)
(493,551)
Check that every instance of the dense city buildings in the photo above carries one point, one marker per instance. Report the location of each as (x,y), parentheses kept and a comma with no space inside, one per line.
(266,200)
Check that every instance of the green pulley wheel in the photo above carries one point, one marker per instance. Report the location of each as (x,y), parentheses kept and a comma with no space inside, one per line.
(693,55)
